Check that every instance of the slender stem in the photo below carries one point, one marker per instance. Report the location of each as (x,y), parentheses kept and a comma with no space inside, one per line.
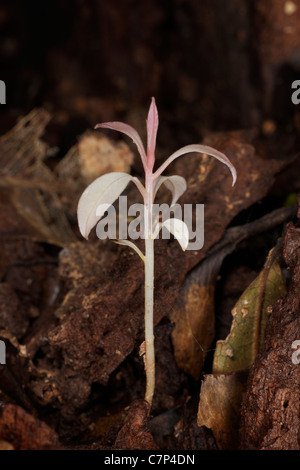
(149,289)
(149,336)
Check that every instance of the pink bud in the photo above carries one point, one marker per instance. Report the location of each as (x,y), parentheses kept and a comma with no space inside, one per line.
(152,126)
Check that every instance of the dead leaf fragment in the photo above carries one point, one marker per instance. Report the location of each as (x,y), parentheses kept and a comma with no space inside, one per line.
(28,187)
(194,325)
(239,349)
(219,407)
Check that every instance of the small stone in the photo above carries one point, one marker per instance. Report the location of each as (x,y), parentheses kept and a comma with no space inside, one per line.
(290,8)
(229,352)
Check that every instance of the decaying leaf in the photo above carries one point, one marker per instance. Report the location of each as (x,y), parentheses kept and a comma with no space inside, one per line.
(27,185)
(194,320)
(239,349)
(21,147)
(219,407)
(33,211)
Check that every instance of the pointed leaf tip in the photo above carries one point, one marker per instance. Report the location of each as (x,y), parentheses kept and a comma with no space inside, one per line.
(152,126)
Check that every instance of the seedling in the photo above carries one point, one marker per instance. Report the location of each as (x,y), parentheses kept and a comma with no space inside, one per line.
(104,191)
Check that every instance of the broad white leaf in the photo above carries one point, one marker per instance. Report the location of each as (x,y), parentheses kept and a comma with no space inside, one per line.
(176,184)
(179,230)
(97,197)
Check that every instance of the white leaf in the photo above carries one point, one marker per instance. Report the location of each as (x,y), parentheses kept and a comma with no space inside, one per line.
(179,230)
(176,184)
(132,245)
(97,197)
(201,149)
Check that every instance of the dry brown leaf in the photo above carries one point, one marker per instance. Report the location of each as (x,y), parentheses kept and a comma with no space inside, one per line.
(219,407)
(28,188)
(194,326)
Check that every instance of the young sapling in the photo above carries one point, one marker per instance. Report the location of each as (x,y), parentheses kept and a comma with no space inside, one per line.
(105,190)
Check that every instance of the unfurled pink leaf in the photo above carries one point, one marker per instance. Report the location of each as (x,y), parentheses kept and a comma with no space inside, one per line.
(176,184)
(200,149)
(130,132)
(152,126)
